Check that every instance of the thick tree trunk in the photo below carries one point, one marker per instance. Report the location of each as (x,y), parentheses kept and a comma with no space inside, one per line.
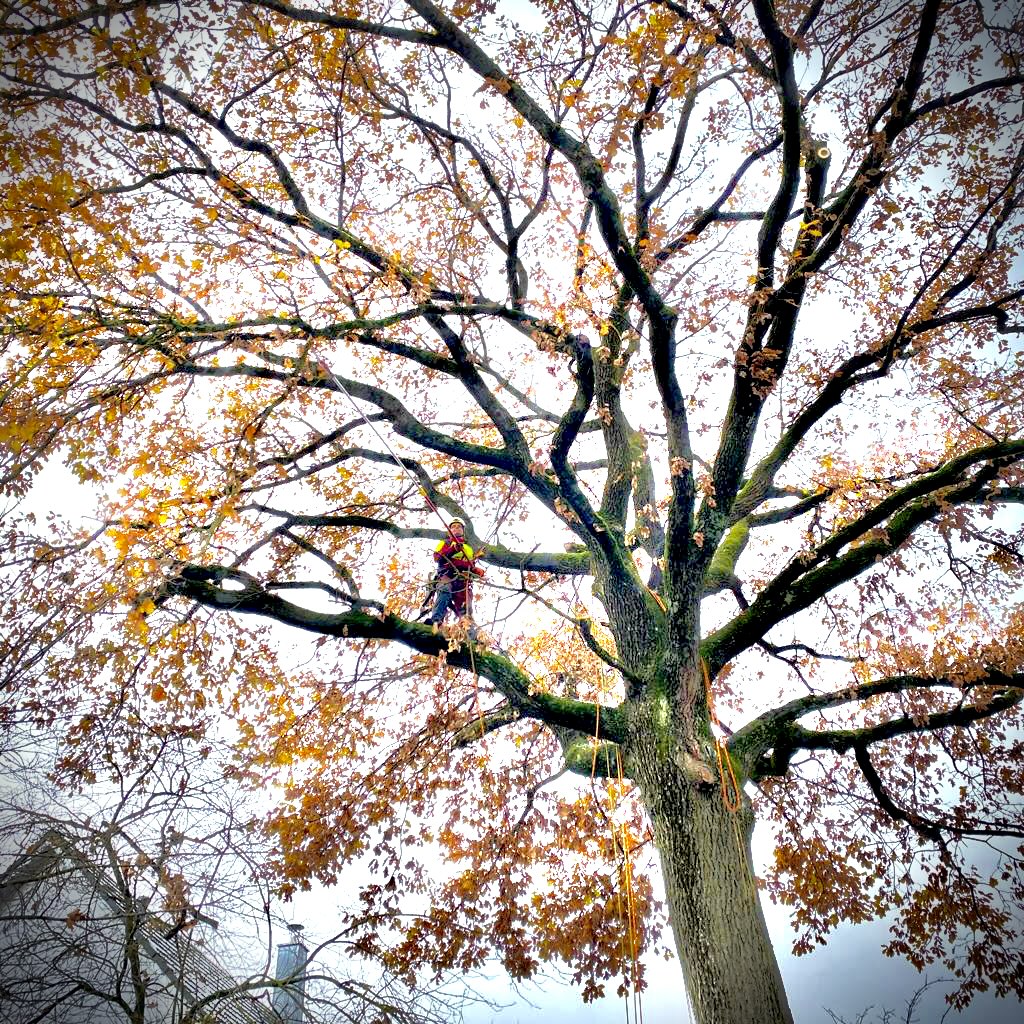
(729,965)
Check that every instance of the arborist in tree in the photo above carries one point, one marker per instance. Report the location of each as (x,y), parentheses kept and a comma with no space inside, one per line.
(452,586)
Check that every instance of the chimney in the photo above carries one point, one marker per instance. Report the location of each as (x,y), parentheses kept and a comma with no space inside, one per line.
(291,963)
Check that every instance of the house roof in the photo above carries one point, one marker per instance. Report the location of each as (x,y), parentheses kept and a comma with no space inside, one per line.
(194,975)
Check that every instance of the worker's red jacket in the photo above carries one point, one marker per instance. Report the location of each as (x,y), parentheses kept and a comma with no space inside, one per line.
(456,559)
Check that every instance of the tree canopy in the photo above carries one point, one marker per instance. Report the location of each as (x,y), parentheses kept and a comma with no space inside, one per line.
(705,319)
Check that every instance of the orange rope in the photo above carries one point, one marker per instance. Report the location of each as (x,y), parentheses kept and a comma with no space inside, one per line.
(621,839)
(476,689)
(627,863)
(627,867)
(615,843)
(733,800)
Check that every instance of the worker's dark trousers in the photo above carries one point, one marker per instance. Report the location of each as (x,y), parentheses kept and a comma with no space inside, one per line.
(447,594)
(443,597)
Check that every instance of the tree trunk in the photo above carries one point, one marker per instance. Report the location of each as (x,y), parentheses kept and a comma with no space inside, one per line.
(729,965)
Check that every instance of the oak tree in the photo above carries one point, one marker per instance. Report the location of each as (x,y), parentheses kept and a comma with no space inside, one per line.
(704,319)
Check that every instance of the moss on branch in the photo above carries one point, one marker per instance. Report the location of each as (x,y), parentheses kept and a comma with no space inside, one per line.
(765,746)
(205,585)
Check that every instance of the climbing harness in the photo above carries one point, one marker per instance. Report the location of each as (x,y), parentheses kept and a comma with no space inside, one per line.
(452,583)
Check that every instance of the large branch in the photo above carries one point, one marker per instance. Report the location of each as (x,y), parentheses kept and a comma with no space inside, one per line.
(868,177)
(764,351)
(570,563)
(760,361)
(716,212)
(586,165)
(402,421)
(931,828)
(854,372)
(784,80)
(842,740)
(873,536)
(766,744)
(772,313)
(303,217)
(599,193)
(954,99)
(515,270)
(610,362)
(515,443)
(337,21)
(91,13)
(205,585)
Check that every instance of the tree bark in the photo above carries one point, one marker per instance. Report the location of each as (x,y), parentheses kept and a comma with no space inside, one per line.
(729,965)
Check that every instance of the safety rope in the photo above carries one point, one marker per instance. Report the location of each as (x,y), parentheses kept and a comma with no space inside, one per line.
(627,868)
(614,848)
(323,368)
(631,915)
(620,840)
(327,372)
(733,800)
